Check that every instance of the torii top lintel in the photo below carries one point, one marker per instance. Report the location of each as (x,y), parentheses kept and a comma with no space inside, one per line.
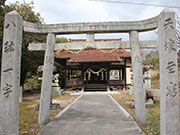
(93,27)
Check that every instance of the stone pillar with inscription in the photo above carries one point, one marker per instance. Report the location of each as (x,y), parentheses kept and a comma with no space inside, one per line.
(47,80)
(169,90)
(138,86)
(10,74)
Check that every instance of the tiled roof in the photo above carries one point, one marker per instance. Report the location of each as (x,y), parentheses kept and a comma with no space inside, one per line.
(96,40)
(91,54)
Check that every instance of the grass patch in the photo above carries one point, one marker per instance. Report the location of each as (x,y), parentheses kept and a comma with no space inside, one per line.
(28,118)
(122,99)
(152,127)
(155,79)
(28,121)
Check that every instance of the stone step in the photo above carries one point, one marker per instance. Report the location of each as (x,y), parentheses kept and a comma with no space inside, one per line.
(95,89)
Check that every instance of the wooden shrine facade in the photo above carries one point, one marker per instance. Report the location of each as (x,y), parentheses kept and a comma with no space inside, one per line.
(92,68)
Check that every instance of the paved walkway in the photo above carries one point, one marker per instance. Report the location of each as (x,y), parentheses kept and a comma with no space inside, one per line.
(92,115)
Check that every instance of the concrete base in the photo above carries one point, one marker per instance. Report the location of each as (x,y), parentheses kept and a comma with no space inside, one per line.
(56,91)
(52,107)
(130,91)
(155,92)
(132,104)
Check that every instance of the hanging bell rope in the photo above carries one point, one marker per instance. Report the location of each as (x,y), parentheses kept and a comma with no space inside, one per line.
(97,73)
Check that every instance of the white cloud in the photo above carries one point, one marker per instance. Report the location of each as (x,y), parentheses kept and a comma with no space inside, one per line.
(73,11)
(69,11)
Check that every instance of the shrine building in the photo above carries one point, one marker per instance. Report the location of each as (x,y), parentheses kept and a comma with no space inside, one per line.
(95,69)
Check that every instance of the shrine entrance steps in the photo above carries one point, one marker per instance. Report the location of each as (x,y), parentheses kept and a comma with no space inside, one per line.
(95,87)
(92,115)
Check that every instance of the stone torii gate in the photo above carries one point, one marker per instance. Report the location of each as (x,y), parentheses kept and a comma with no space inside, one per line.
(146,44)
(149,44)
(10,72)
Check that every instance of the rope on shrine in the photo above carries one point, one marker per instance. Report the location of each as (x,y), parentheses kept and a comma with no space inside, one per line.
(90,70)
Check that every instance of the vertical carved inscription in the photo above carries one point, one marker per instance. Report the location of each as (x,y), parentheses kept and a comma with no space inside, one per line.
(10,24)
(9,47)
(171,67)
(168,24)
(7,90)
(170,45)
(11,59)
(171,90)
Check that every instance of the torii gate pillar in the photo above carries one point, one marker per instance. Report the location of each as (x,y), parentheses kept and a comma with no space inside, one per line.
(140,109)
(47,80)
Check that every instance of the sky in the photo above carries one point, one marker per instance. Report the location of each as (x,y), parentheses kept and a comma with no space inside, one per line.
(69,11)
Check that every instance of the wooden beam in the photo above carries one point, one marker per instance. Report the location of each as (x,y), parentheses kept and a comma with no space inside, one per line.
(101,45)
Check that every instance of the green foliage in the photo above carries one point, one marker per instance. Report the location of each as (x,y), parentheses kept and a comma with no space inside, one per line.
(60,68)
(61,40)
(26,10)
(2,13)
(32,83)
(30,60)
(60,71)
(2,3)
(37,84)
(152,59)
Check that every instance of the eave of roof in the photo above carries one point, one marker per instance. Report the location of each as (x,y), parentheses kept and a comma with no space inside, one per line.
(91,54)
